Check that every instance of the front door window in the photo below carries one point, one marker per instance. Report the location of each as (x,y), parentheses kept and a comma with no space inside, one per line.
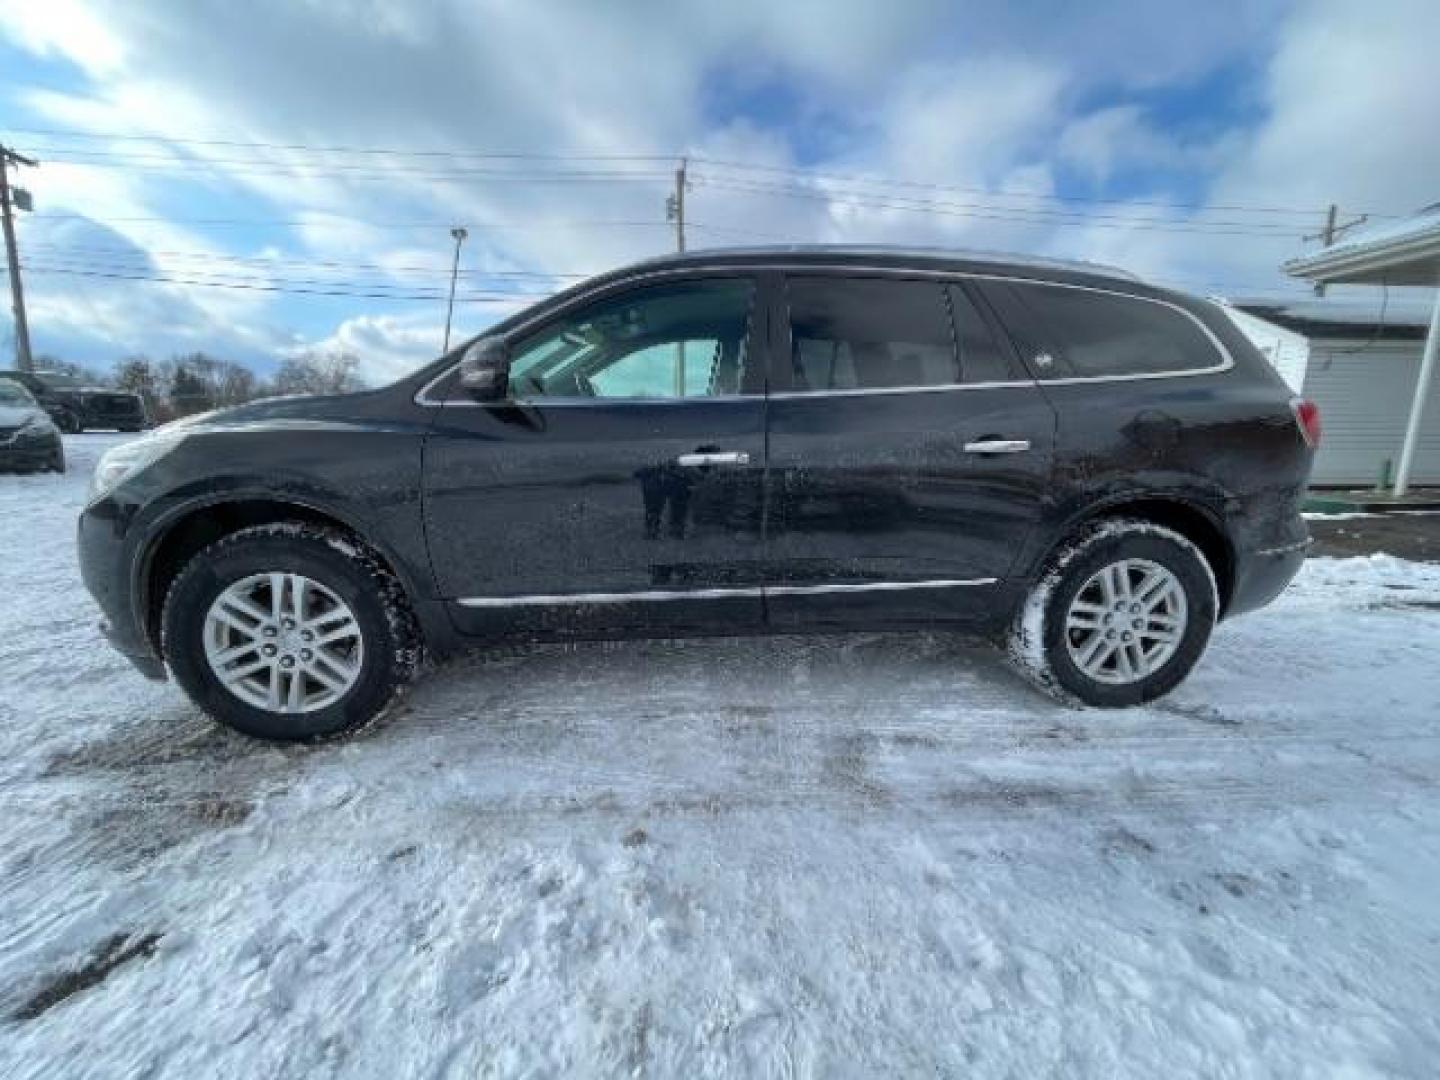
(686,340)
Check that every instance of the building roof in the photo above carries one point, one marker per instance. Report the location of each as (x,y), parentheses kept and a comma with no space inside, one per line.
(1404,252)
(1398,316)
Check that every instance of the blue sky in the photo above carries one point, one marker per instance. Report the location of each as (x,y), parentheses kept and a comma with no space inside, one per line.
(190,199)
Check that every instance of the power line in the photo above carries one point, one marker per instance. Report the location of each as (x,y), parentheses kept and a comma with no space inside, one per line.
(397,291)
(888,182)
(474,298)
(282,261)
(311,147)
(362,172)
(297,223)
(1033,217)
(742,166)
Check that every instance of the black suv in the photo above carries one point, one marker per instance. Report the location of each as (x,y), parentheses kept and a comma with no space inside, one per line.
(729,442)
(75,405)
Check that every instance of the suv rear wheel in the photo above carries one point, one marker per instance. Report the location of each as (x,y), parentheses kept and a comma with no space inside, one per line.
(1121,615)
(289,632)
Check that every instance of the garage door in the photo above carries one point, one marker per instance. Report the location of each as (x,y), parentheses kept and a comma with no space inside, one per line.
(1364,396)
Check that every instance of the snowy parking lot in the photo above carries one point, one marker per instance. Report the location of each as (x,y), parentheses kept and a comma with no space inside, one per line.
(858,856)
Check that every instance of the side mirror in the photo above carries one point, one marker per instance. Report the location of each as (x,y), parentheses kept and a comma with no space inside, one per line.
(485,370)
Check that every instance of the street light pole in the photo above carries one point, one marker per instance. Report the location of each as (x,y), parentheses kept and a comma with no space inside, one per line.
(459,234)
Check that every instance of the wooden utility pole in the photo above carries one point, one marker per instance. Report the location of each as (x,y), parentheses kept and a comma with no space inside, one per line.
(675,211)
(1327,237)
(9,157)
(458,233)
(675,205)
(1333,231)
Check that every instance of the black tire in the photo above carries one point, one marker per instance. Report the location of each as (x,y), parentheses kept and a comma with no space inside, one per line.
(392,642)
(57,462)
(1037,640)
(68,422)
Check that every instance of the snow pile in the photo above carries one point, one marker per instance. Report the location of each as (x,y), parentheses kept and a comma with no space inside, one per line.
(868,855)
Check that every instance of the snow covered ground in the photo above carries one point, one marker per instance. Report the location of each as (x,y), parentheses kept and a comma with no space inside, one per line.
(849,857)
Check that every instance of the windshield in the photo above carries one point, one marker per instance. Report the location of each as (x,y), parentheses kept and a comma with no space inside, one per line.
(12,393)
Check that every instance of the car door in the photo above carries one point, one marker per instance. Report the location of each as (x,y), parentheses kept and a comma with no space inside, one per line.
(621,484)
(909,454)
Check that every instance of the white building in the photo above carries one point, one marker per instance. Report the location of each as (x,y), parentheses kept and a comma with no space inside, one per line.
(1361,367)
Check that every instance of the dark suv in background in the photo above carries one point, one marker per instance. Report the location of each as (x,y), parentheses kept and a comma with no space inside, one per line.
(76,406)
(1088,467)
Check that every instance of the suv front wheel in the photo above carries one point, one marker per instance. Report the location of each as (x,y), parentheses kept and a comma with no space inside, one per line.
(1120,616)
(289,631)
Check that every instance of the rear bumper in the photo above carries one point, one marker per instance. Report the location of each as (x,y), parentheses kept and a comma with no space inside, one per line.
(1261,576)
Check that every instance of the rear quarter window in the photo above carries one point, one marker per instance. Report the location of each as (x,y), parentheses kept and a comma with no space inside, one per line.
(1090,334)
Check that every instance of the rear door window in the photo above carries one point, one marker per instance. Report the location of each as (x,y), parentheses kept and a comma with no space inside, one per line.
(869,334)
(1087,333)
(856,334)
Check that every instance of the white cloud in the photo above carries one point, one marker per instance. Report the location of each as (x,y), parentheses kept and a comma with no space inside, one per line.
(972,97)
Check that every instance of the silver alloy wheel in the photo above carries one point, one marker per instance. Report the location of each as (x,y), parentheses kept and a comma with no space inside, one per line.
(1126,621)
(283,643)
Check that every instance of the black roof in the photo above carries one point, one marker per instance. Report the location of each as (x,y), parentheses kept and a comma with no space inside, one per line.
(889,257)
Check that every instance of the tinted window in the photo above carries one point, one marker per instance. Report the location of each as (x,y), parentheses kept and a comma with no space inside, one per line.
(666,341)
(858,334)
(982,359)
(1097,333)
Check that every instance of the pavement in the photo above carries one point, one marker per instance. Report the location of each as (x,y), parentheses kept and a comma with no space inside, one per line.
(1413,535)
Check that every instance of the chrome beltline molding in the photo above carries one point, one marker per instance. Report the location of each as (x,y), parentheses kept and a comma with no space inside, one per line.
(649,595)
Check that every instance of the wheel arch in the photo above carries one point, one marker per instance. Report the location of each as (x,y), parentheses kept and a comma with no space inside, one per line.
(198,525)
(1195,521)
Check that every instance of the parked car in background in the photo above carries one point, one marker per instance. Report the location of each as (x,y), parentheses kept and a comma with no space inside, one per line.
(75,405)
(29,439)
(1088,467)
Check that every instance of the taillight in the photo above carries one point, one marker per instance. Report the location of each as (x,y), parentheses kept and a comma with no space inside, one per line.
(1307,418)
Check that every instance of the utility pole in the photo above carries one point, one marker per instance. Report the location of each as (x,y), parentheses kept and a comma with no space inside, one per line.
(459,234)
(675,211)
(675,205)
(1332,232)
(9,157)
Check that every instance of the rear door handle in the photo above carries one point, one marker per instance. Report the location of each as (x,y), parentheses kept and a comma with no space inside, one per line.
(997,446)
(700,460)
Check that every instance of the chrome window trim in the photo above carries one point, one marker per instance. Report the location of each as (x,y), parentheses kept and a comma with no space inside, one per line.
(785,395)
(920,273)
(648,595)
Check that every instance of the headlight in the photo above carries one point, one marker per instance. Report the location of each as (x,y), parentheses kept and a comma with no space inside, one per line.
(129,458)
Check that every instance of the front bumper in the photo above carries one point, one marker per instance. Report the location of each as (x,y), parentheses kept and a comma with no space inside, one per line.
(104,568)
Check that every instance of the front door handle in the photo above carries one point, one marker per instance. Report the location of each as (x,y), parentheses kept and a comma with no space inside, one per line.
(997,446)
(700,460)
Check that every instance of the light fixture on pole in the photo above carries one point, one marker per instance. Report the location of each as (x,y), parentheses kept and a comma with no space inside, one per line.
(459,234)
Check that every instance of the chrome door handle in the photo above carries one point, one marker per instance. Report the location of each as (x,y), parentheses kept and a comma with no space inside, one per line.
(997,446)
(696,461)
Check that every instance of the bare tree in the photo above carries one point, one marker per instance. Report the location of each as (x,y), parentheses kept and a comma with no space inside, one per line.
(317,372)
(47,362)
(137,375)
